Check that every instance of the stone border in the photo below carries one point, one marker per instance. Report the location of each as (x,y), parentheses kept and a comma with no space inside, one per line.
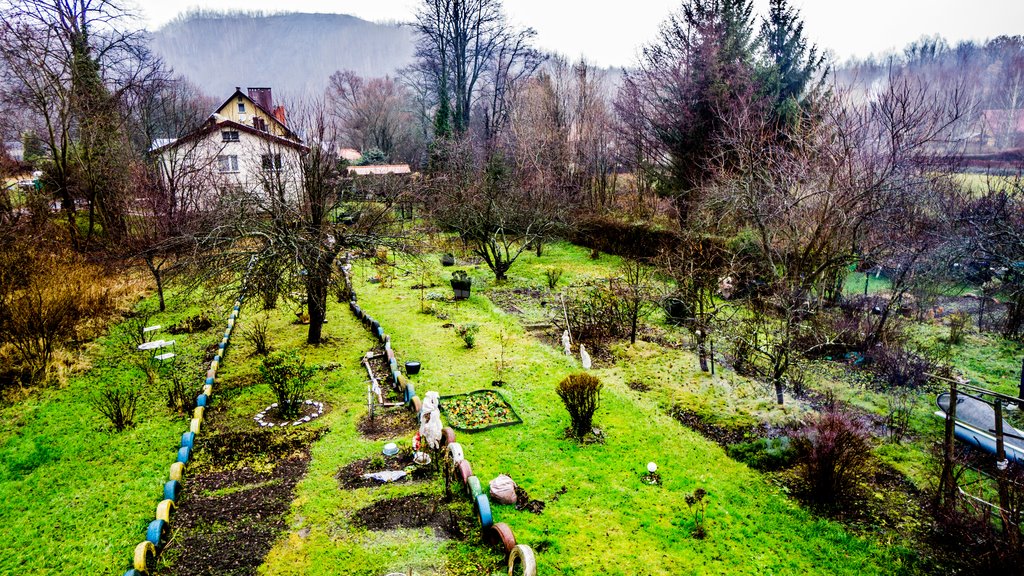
(264,424)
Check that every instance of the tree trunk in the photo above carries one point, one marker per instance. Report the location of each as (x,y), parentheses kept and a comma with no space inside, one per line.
(154,269)
(778,391)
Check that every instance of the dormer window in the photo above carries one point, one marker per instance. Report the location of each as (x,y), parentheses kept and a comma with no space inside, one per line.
(229,135)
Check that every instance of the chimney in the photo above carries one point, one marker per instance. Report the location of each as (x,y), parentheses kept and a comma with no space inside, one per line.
(279,113)
(262,97)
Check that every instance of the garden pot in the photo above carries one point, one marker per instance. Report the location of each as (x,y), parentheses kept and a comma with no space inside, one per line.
(461,289)
(412,368)
(448,260)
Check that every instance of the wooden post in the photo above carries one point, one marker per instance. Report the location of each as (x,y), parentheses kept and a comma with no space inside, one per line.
(1020,388)
(947,490)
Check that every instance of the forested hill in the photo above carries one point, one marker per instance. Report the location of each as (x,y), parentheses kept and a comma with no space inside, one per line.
(292,53)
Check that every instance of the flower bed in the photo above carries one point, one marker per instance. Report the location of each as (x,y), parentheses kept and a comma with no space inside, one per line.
(478,410)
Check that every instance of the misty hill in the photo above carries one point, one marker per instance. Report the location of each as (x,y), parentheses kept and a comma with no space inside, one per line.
(292,53)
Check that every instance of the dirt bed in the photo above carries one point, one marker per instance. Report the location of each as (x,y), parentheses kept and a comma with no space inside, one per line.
(235,501)
(350,477)
(450,522)
(388,423)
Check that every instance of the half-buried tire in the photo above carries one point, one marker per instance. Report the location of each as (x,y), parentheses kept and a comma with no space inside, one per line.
(172,489)
(447,436)
(157,533)
(164,510)
(473,487)
(464,470)
(482,507)
(502,534)
(144,559)
(522,556)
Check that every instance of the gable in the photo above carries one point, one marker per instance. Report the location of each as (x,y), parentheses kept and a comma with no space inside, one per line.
(241,109)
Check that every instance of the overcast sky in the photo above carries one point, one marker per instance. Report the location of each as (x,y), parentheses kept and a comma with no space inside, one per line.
(611,36)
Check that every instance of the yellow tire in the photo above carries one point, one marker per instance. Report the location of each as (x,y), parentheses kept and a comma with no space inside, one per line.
(208,390)
(145,557)
(193,426)
(527,561)
(177,471)
(198,413)
(214,365)
(417,405)
(164,510)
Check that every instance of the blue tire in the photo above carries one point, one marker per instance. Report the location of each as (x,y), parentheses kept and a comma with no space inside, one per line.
(482,506)
(201,400)
(217,359)
(221,346)
(209,381)
(183,454)
(157,533)
(133,572)
(172,489)
(380,333)
(409,392)
(188,440)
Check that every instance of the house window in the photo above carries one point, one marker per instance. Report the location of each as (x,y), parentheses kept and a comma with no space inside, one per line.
(230,135)
(271,162)
(241,107)
(260,124)
(227,163)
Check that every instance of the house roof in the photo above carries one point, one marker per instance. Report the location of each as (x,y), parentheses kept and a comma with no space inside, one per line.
(214,125)
(379,169)
(350,154)
(273,117)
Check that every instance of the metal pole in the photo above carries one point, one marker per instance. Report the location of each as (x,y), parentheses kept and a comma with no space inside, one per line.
(1004,489)
(947,491)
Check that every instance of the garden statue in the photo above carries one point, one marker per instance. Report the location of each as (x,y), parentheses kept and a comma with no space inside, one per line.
(566,343)
(431,402)
(430,424)
(584,358)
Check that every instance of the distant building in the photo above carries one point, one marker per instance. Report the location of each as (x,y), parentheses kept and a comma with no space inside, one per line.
(378,169)
(246,143)
(1002,129)
(350,154)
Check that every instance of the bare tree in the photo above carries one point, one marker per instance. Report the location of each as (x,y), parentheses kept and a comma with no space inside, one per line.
(375,113)
(464,44)
(71,63)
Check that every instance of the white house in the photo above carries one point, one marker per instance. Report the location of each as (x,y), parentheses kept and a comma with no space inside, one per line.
(245,145)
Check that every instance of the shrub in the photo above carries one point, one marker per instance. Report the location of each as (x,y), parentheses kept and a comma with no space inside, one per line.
(258,337)
(766,454)
(597,313)
(957,323)
(117,403)
(192,324)
(287,374)
(698,504)
(833,451)
(468,333)
(47,299)
(179,397)
(899,367)
(581,394)
(553,275)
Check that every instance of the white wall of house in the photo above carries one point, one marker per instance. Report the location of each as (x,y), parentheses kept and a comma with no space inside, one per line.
(228,159)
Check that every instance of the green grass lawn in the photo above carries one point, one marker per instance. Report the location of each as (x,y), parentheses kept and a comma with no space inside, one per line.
(75,497)
(608,521)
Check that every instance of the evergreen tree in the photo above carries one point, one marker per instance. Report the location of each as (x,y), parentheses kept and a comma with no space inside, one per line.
(792,68)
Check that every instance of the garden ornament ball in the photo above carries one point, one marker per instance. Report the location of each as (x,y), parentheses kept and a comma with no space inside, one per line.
(652,467)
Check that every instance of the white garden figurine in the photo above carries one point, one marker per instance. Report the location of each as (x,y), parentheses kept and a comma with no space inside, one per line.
(566,343)
(430,424)
(584,358)
(431,402)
